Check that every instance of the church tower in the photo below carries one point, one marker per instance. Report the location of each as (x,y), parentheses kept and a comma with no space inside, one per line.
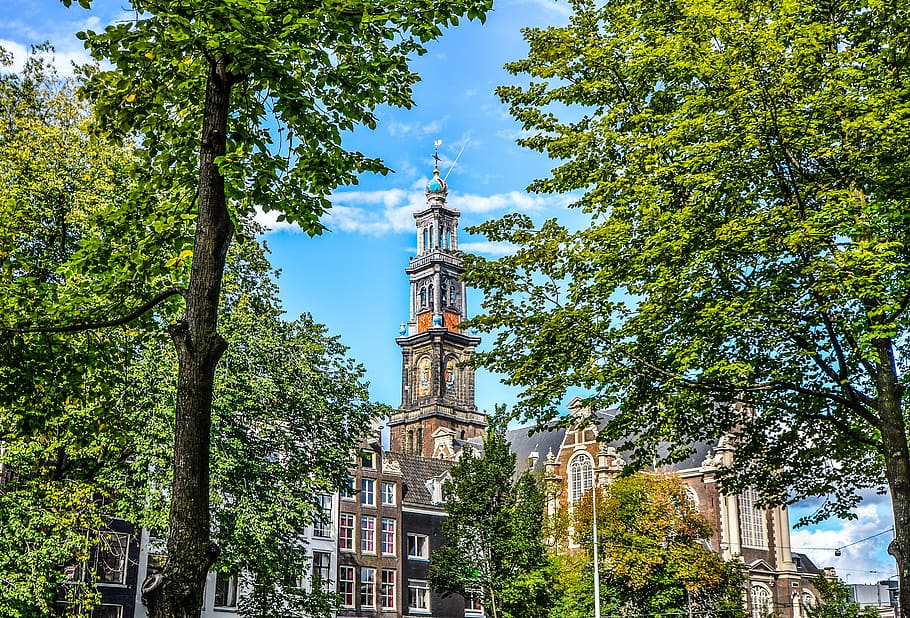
(437,389)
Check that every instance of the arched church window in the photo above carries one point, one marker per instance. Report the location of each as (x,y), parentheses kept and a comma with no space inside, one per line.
(760,598)
(448,239)
(452,295)
(432,299)
(440,238)
(423,297)
(431,237)
(581,476)
(426,238)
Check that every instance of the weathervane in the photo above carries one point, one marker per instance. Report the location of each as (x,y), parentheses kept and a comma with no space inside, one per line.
(437,144)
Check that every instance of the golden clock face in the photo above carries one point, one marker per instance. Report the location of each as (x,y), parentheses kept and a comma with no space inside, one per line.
(424,376)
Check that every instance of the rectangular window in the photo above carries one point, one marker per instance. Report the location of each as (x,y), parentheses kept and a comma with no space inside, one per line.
(388,493)
(751,520)
(418,596)
(388,537)
(367,587)
(368,534)
(322,526)
(108,611)
(346,585)
(367,460)
(110,565)
(387,589)
(225,590)
(472,604)
(368,492)
(322,568)
(418,546)
(346,532)
(347,489)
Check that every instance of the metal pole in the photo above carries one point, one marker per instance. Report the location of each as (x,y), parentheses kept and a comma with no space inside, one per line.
(596,560)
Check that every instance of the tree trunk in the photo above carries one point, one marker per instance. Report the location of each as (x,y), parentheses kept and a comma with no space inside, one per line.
(179,594)
(897,464)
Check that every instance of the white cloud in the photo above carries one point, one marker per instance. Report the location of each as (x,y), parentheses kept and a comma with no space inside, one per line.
(376,213)
(414,129)
(862,542)
(488,248)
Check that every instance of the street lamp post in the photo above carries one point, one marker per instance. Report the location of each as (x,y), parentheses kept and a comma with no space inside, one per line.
(596,559)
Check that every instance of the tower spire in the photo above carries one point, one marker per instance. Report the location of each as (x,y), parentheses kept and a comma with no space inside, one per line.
(437,388)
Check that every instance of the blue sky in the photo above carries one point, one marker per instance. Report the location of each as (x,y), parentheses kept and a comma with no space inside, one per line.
(353,279)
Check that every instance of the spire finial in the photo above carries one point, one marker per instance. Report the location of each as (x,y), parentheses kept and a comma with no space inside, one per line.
(437,144)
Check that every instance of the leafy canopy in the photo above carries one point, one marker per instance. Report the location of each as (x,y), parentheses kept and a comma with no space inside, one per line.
(743,168)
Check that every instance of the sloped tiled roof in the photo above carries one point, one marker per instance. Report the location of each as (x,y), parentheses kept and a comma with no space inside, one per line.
(416,471)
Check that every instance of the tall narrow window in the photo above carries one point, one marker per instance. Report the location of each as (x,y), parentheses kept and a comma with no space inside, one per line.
(388,493)
(367,587)
(225,590)
(387,589)
(425,246)
(581,476)
(322,568)
(751,520)
(368,534)
(432,299)
(388,537)
(113,548)
(322,527)
(423,297)
(346,532)
(368,492)
(452,295)
(346,585)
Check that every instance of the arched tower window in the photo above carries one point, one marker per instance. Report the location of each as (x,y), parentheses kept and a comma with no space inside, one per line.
(752,528)
(448,239)
(426,238)
(431,237)
(432,299)
(760,598)
(423,298)
(581,476)
(452,295)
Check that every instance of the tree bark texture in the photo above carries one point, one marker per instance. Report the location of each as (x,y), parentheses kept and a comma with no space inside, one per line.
(897,463)
(199,348)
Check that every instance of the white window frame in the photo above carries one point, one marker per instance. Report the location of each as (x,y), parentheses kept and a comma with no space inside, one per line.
(111,557)
(388,589)
(418,590)
(387,536)
(367,587)
(322,524)
(368,492)
(346,585)
(420,544)
(229,600)
(367,534)
(346,543)
(581,476)
(322,568)
(388,493)
(753,527)
(761,601)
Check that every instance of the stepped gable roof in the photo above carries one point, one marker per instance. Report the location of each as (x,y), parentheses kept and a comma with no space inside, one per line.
(804,564)
(415,472)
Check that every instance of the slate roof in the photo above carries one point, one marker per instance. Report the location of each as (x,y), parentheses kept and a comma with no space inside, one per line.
(523,444)
(804,564)
(416,471)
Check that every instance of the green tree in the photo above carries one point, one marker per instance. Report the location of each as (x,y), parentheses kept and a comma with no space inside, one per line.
(236,104)
(493,534)
(289,409)
(654,560)
(66,427)
(836,601)
(741,170)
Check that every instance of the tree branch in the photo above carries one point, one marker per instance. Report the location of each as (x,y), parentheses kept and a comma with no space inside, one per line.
(73,328)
